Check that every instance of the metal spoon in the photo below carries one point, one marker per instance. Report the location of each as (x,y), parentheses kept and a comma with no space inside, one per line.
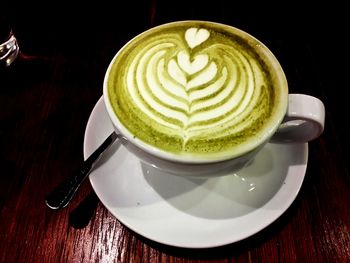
(64,192)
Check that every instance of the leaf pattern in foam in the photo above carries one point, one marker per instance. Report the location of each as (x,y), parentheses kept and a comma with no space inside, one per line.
(189,90)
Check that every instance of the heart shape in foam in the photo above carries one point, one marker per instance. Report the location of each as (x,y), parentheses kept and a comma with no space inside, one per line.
(195,36)
(198,63)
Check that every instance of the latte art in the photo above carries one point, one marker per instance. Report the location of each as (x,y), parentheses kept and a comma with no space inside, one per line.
(191,90)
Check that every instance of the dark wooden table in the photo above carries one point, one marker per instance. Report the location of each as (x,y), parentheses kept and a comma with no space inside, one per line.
(47,96)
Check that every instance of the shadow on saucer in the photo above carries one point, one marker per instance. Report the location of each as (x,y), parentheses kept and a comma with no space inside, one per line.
(232,195)
(108,154)
(169,185)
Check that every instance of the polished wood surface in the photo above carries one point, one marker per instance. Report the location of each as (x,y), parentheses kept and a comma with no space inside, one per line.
(47,96)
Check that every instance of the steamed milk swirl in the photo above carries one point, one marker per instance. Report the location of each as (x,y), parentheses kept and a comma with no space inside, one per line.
(191,89)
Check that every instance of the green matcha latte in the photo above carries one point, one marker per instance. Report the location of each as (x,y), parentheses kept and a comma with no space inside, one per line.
(197,89)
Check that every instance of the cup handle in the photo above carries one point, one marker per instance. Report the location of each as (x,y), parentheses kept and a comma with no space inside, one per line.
(304,120)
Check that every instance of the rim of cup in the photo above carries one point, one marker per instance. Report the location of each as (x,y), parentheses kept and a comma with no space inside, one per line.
(280,109)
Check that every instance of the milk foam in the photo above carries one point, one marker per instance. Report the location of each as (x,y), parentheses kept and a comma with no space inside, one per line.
(193,76)
(187,85)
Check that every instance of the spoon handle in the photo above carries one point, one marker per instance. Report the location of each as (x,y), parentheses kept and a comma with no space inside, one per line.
(64,192)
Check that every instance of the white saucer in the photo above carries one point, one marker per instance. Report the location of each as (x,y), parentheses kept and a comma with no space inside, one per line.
(188,212)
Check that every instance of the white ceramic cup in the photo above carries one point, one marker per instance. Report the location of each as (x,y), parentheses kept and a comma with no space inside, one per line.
(303,121)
